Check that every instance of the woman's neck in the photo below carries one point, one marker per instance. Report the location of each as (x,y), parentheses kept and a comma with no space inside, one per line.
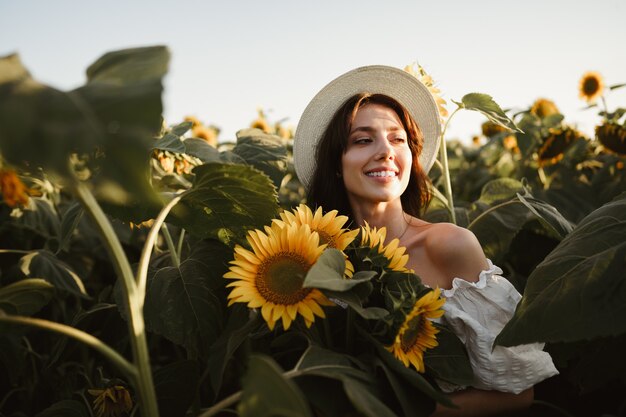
(388,215)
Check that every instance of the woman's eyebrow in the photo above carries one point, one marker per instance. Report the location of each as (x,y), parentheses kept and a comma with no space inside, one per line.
(371,129)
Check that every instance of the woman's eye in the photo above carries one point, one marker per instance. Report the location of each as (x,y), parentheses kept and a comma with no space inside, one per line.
(362,140)
(400,139)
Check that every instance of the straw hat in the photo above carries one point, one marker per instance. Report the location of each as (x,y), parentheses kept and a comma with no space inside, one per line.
(375,79)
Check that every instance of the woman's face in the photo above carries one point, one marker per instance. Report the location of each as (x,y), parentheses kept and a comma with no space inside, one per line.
(376,165)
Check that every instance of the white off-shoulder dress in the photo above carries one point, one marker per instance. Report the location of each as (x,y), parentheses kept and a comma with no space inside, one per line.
(477,312)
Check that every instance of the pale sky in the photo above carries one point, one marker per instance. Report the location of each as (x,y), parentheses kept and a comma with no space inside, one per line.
(231,57)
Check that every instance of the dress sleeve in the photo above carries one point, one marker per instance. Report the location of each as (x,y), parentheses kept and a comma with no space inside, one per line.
(477,312)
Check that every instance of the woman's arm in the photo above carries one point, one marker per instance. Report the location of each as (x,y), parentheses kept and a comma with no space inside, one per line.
(474,403)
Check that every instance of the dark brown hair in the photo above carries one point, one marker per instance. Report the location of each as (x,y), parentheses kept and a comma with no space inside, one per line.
(327,188)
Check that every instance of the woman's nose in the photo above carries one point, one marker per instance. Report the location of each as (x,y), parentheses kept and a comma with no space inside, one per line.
(384,150)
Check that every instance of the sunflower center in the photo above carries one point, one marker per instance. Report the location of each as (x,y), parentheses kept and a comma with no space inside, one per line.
(591,85)
(280,278)
(412,333)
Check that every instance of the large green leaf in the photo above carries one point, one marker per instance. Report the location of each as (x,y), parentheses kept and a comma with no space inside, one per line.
(496,227)
(172,141)
(182,304)
(25,297)
(266,392)
(41,218)
(413,403)
(241,322)
(499,190)
(66,408)
(200,149)
(40,126)
(175,385)
(70,221)
(327,273)
(46,265)
(123,93)
(485,104)
(449,360)
(578,292)
(264,152)
(227,200)
(365,399)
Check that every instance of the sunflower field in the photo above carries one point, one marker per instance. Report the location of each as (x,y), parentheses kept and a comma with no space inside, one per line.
(149,269)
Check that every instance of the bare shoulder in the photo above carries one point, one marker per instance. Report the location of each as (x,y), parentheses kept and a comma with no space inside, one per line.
(455,250)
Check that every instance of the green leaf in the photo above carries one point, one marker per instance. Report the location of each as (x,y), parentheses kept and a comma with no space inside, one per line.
(408,375)
(226,201)
(553,120)
(448,360)
(264,152)
(578,292)
(123,96)
(70,221)
(330,364)
(413,403)
(200,149)
(46,265)
(25,297)
(484,104)
(169,142)
(500,189)
(182,304)
(172,141)
(327,273)
(266,392)
(240,324)
(365,400)
(41,218)
(175,385)
(496,227)
(548,216)
(65,408)
(39,125)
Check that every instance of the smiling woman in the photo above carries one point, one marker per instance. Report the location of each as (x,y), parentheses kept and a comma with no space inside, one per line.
(363,147)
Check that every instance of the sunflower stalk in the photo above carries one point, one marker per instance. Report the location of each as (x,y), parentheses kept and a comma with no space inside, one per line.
(443,157)
(126,367)
(170,245)
(143,382)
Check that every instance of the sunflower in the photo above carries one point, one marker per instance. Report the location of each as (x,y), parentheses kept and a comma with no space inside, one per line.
(555,145)
(612,136)
(14,192)
(393,252)
(114,401)
(591,86)
(261,122)
(271,275)
(542,107)
(417,333)
(418,72)
(490,129)
(329,226)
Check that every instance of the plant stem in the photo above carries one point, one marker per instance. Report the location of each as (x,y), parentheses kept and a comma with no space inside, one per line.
(128,368)
(231,399)
(170,245)
(443,156)
(181,239)
(144,260)
(134,301)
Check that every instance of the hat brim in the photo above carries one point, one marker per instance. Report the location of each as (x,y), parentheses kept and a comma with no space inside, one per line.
(375,79)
